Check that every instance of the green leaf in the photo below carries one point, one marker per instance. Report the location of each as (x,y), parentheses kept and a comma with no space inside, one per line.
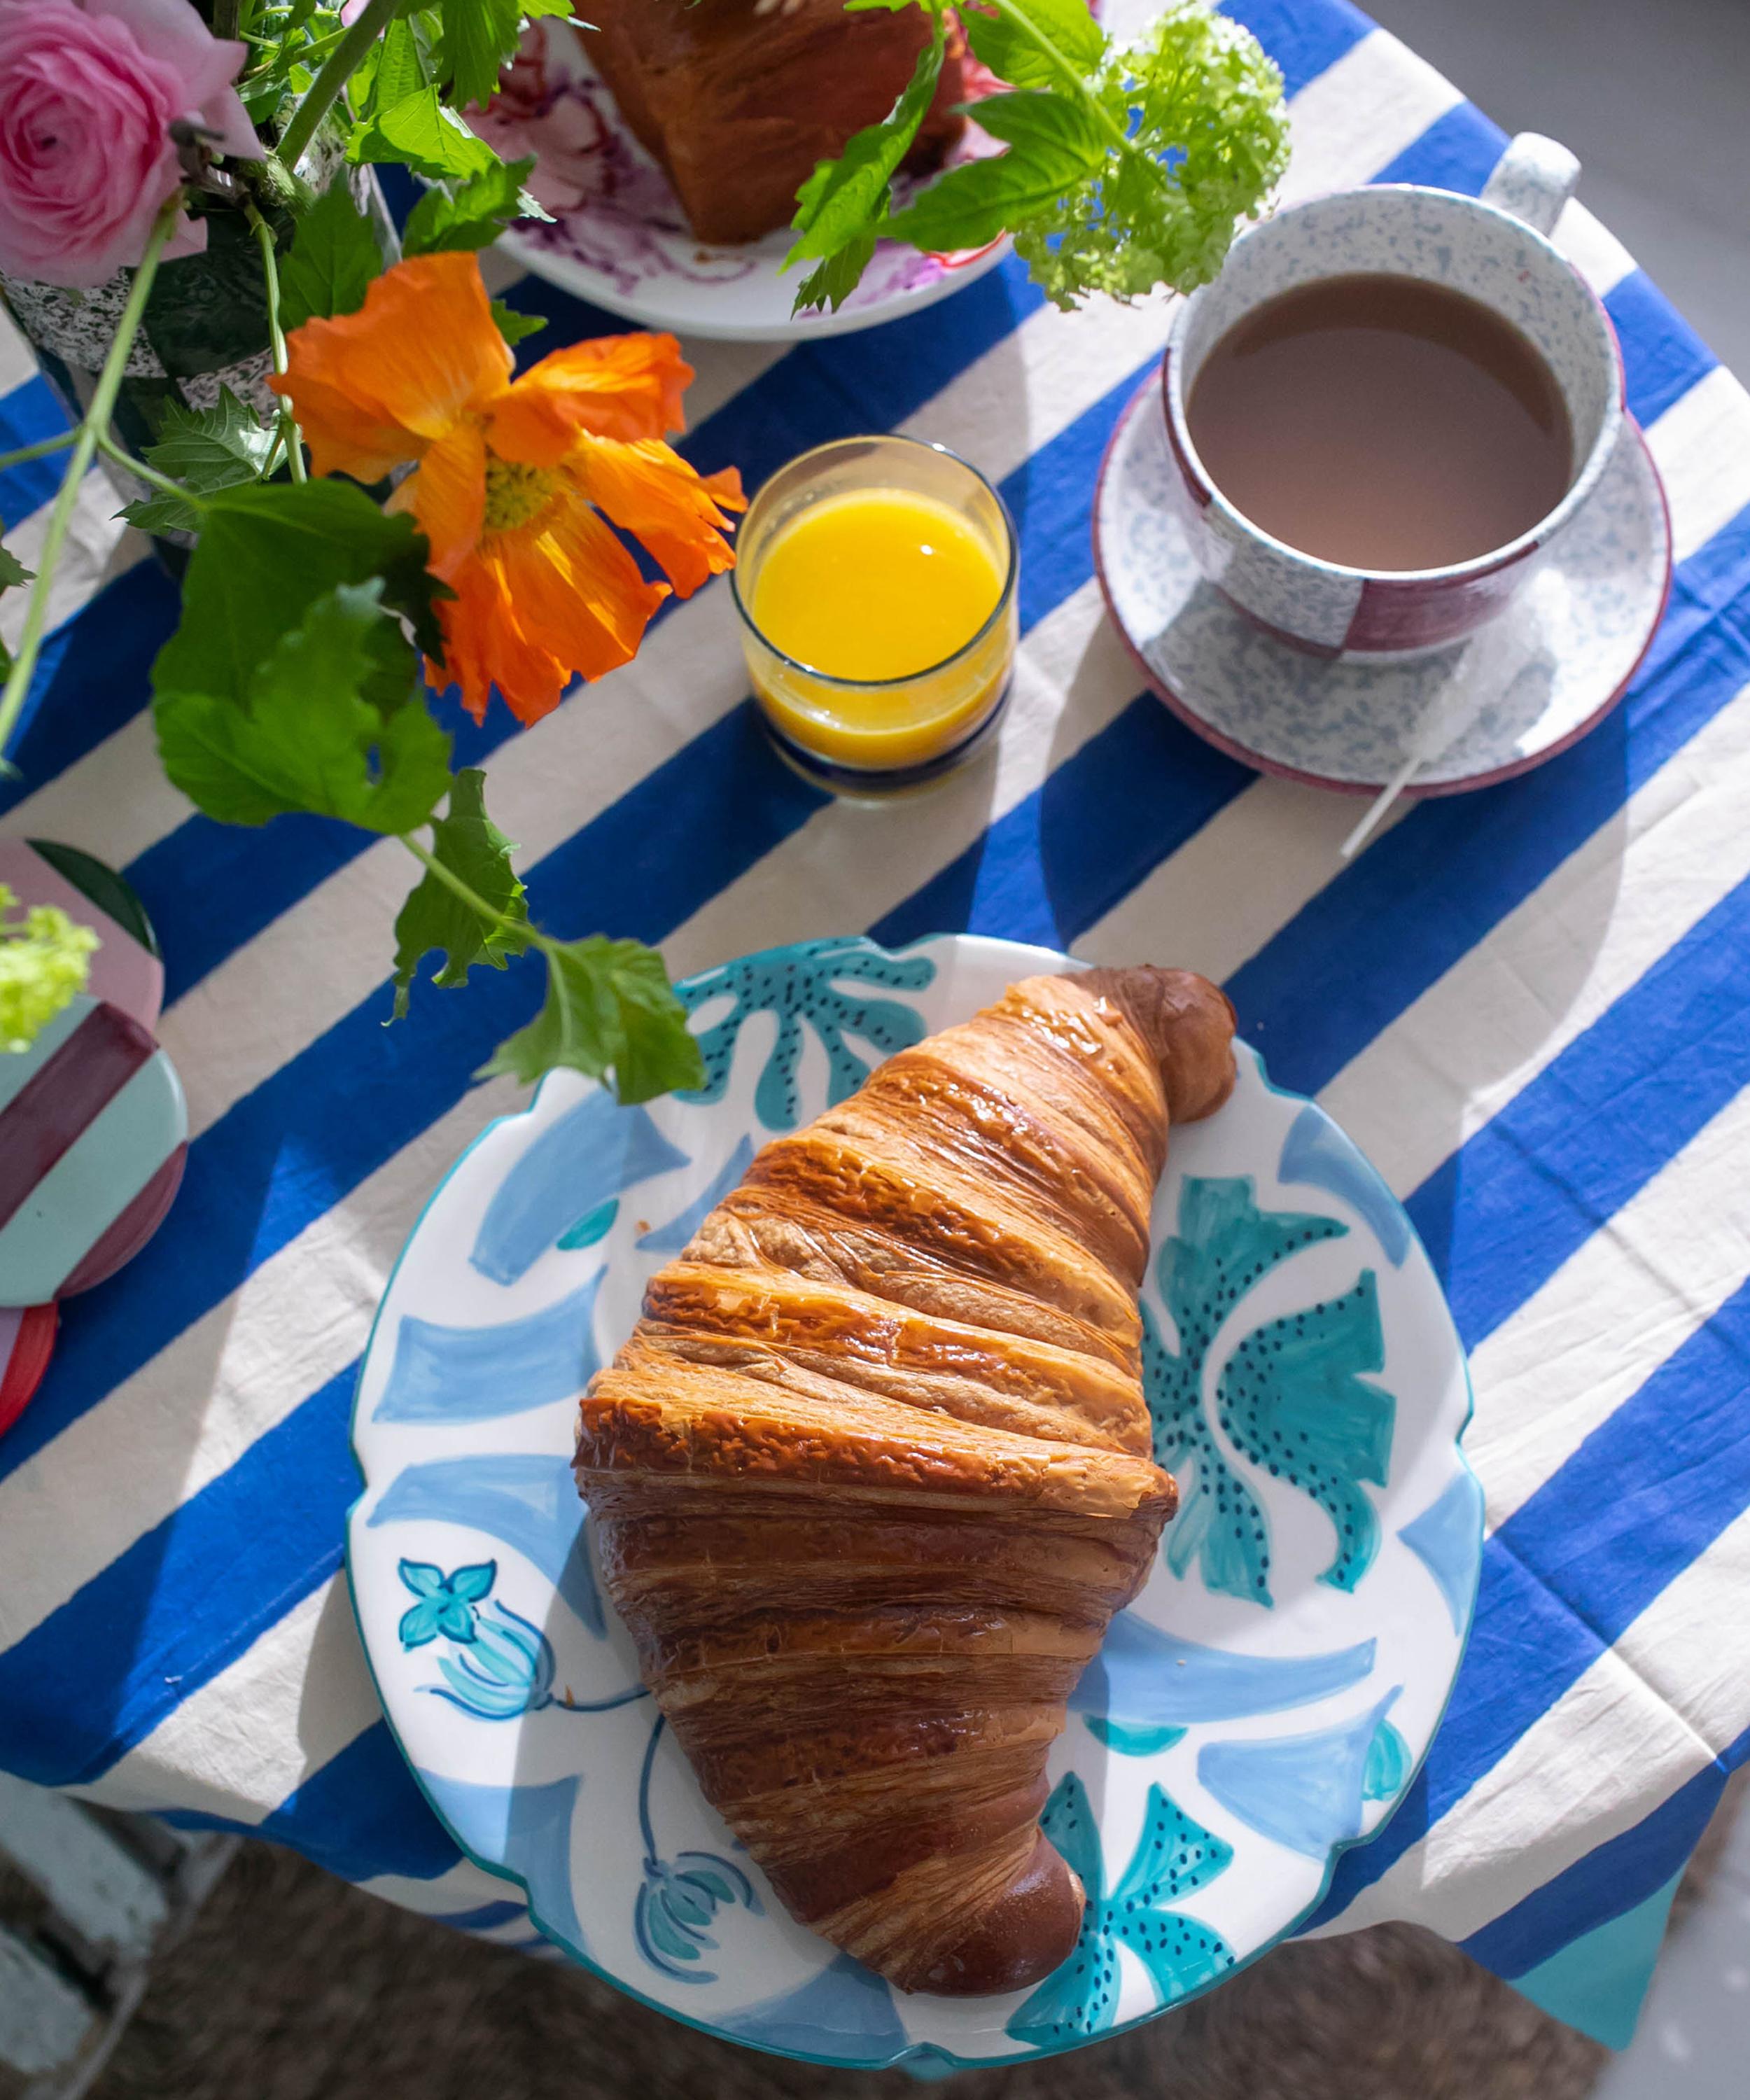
(420,132)
(610,1007)
(265,551)
(402,69)
(160,512)
(1053,143)
(832,282)
(305,737)
(12,570)
(513,325)
(475,213)
(470,845)
(479,39)
(844,201)
(1012,55)
(211,448)
(334,258)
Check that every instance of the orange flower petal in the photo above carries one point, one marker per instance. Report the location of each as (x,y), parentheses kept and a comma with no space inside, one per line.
(618,386)
(484,646)
(577,591)
(447,494)
(535,606)
(650,490)
(422,352)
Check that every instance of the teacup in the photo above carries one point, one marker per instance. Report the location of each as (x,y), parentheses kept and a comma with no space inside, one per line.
(1496,250)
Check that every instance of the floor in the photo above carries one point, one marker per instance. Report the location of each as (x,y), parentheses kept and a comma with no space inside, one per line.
(1653,96)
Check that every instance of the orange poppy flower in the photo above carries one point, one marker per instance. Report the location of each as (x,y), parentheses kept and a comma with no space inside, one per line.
(513,478)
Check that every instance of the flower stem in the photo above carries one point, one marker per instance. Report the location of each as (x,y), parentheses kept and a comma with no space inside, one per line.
(473,899)
(40,450)
(150,475)
(338,68)
(288,423)
(95,421)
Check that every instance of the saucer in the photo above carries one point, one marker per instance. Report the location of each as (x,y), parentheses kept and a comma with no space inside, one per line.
(1570,642)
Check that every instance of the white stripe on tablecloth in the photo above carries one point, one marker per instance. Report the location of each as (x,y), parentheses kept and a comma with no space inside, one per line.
(18,360)
(1592,249)
(1375,100)
(1646,1717)
(1701,445)
(1666,1263)
(302,1316)
(98,548)
(250,1737)
(1544,974)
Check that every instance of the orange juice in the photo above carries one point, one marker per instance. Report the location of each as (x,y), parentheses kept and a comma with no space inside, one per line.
(884,588)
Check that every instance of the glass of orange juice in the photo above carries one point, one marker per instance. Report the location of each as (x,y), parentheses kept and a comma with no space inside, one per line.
(875,578)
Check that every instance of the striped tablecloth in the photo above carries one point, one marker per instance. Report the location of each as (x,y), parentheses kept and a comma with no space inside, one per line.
(1529,1005)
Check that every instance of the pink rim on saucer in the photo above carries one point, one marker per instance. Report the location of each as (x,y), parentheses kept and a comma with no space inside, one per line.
(1142,556)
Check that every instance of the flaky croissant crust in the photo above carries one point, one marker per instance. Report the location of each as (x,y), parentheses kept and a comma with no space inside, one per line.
(871,1476)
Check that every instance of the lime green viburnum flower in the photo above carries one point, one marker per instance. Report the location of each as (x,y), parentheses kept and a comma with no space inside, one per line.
(45,959)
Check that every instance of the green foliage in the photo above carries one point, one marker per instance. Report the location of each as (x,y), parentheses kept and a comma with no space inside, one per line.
(1125,168)
(1210,143)
(334,258)
(473,848)
(609,1008)
(513,325)
(420,132)
(205,449)
(840,207)
(473,213)
(12,570)
(265,553)
(45,959)
(303,735)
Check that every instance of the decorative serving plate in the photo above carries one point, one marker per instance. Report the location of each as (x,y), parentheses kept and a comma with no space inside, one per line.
(1558,660)
(620,239)
(1262,1705)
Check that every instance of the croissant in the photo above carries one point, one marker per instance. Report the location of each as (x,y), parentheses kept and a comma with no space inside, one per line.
(871,1475)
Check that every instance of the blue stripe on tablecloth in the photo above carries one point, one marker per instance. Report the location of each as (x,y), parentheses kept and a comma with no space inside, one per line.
(1622,1872)
(1425,894)
(1303,40)
(1457,152)
(91,677)
(183,1601)
(1047,871)
(358,1815)
(1670,357)
(1501,1214)
(28,414)
(1663,1476)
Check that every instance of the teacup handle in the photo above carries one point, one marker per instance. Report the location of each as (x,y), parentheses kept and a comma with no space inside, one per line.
(1533,180)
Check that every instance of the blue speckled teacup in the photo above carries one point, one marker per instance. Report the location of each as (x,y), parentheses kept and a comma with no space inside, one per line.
(1496,248)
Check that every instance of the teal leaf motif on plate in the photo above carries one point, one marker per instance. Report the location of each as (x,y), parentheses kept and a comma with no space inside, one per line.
(1224,1246)
(1388,1764)
(803,983)
(1294,1398)
(1174,1858)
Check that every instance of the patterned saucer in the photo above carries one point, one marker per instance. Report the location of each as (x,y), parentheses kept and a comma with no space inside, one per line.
(620,239)
(1564,655)
(1263,1703)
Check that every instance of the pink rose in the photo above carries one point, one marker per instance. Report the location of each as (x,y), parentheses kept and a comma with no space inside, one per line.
(89,89)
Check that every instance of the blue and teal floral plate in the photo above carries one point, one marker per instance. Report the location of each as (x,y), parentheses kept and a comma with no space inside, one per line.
(1262,1705)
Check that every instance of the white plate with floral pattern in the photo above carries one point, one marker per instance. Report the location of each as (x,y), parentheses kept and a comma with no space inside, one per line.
(620,239)
(1261,1706)
(1560,658)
